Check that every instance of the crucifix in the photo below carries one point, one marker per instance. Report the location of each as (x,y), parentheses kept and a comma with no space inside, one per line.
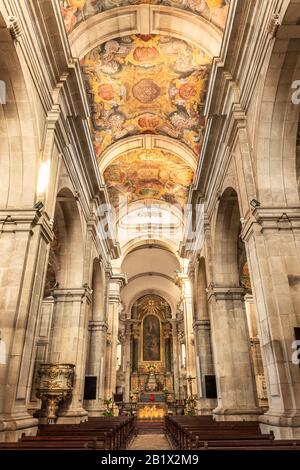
(189,380)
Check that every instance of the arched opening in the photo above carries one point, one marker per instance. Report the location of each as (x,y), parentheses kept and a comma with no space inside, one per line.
(205,373)
(20,143)
(237,395)
(227,233)
(97,329)
(277,128)
(69,230)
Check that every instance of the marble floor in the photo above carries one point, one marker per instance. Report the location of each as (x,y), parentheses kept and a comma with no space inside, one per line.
(150,442)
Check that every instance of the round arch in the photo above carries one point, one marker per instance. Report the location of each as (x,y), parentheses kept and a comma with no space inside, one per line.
(70,239)
(98,294)
(140,243)
(161,293)
(227,228)
(201,305)
(147,142)
(145,19)
(277,122)
(20,139)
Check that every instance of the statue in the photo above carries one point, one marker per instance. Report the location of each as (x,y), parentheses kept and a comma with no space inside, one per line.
(151,382)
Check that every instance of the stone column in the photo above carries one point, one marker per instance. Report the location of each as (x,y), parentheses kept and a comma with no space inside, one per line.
(24,239)
(187,305)
(69,345)
(204,364)
(96,364)
(234,374)
(116,282)
(256,352)
(176,356)
(272,238)
(126,361)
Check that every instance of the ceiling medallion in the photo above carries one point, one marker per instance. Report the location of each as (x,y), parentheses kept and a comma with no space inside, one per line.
(146,91)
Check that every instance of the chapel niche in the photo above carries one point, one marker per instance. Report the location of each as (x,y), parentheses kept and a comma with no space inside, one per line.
(151,343)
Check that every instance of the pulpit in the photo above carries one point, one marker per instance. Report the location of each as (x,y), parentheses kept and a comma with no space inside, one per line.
(56,385)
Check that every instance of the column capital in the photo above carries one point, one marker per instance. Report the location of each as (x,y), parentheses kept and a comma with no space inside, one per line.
(216,293)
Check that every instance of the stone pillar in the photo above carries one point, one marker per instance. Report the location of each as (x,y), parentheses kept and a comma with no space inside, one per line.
(176,356)
(258,367)
(234,374)
(69,345)
(187,305)
(42,339)
(272,239)
(204,364)
(116,282)
(126,361)
(24,240)
(96,364)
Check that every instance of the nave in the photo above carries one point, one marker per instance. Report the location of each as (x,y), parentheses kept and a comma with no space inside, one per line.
(174,433)
(150,224)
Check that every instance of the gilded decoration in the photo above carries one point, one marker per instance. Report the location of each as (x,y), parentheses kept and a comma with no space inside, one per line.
(146,84)
(56,385)
(148,174)
(76,11)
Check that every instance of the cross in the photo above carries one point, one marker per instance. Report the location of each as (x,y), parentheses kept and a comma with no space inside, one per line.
(189,380)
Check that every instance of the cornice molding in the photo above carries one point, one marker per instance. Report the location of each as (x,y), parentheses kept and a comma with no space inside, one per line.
(271,218)
(73,295)
(216,293)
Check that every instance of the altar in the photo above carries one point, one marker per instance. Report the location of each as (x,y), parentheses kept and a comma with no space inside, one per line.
(151,411)
(151,401)
(151,375)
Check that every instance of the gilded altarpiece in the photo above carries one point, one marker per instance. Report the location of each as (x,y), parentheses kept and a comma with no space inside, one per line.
(151,350)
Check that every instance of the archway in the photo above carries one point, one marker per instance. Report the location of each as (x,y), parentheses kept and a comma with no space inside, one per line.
(68,339)
(234,373)
(205,372)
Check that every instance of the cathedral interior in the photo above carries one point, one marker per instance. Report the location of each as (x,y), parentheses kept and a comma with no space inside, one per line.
(149,216)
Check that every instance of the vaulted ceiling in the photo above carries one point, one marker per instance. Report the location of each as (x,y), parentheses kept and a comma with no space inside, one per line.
(76,11)
(148,174)
(144,85)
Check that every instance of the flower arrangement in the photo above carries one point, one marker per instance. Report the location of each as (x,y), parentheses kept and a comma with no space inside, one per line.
(190,406)
(109,411)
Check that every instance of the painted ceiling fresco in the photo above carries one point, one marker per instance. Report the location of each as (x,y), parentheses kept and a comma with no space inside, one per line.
(146,85)
(76,11)
(148,174)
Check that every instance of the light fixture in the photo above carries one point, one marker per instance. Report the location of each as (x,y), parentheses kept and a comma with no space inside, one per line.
(254,203)
(38,206)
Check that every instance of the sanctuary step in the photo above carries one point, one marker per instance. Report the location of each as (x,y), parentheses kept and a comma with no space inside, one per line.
(150,426)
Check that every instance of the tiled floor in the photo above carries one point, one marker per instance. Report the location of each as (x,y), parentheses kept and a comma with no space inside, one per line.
(150,442)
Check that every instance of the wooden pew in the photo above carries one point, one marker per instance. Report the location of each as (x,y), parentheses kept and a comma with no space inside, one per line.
(97,433)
